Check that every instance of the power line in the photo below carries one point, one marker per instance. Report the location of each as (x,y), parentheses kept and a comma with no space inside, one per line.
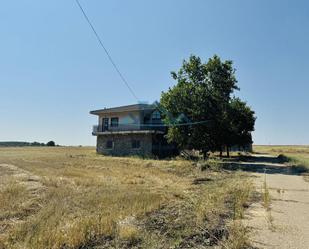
(170,125)
(106,51)
(119,72)
(164,125)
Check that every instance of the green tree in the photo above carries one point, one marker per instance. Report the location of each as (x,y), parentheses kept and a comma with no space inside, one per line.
(51,143)
(200,105)
(241,123)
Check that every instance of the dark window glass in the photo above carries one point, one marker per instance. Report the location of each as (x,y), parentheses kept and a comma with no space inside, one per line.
(109,144)
(156,115)
(114,122)
(105,124)
(136,144)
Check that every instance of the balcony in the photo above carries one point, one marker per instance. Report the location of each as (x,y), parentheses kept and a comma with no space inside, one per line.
(127,128)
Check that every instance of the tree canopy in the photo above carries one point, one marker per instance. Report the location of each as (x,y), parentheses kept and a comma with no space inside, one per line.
(206,114)
(50,143)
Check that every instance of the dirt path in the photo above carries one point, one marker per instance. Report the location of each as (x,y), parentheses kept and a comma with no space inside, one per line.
(286,225)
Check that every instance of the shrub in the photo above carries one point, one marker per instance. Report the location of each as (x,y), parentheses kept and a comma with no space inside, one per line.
(51,143)
(211,164)
(283,158)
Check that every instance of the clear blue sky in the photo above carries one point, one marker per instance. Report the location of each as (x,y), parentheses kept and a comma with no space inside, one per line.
(53,72)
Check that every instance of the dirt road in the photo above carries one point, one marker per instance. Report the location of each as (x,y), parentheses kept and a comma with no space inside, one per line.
(286,224)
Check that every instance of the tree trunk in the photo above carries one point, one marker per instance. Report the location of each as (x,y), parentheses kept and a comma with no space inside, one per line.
(204,155)
(220,152)
(228,151)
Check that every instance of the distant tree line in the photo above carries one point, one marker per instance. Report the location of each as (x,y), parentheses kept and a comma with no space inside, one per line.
(202,104)
(22,144)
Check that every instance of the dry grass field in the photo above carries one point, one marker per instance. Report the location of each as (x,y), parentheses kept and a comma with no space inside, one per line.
(70,197)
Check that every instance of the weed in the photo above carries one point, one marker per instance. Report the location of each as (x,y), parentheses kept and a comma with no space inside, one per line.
(267,204)
(128,232)
(210,164)
(266,196)
(238,236)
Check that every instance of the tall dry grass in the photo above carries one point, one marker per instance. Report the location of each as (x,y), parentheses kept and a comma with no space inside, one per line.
(72,198)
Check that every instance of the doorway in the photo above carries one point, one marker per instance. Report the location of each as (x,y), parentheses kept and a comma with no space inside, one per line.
(105,124)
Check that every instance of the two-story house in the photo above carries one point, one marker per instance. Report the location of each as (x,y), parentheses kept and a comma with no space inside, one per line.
(132,130)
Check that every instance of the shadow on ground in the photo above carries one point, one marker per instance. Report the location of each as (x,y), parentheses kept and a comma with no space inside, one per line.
(261,164)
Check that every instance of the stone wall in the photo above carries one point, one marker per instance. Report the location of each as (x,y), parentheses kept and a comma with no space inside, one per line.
(122,144)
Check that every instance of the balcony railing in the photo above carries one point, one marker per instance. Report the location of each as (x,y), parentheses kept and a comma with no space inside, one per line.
(127,127)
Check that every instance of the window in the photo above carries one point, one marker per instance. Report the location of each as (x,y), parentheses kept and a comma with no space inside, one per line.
(136,144)
(109,144)
(114,122)
(156,115)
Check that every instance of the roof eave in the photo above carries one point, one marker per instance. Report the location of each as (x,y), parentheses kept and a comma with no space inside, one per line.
(122,109)
(94,112)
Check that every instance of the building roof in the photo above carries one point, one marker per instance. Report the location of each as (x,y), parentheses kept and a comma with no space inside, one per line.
(126,108)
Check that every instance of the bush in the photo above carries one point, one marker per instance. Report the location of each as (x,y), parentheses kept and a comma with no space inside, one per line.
(283,158)
(51,143)
(211,164)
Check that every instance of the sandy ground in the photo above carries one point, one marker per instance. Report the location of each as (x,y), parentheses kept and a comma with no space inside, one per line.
(286,225)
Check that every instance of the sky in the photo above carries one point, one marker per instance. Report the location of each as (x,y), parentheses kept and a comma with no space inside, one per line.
(53,71)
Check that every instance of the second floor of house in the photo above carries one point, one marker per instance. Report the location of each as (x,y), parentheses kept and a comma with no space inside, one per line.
(139,117)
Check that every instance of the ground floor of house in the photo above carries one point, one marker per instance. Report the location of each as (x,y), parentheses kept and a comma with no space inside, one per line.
(142,144)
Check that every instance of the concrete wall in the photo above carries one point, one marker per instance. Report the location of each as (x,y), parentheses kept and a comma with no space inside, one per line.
(123,144)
